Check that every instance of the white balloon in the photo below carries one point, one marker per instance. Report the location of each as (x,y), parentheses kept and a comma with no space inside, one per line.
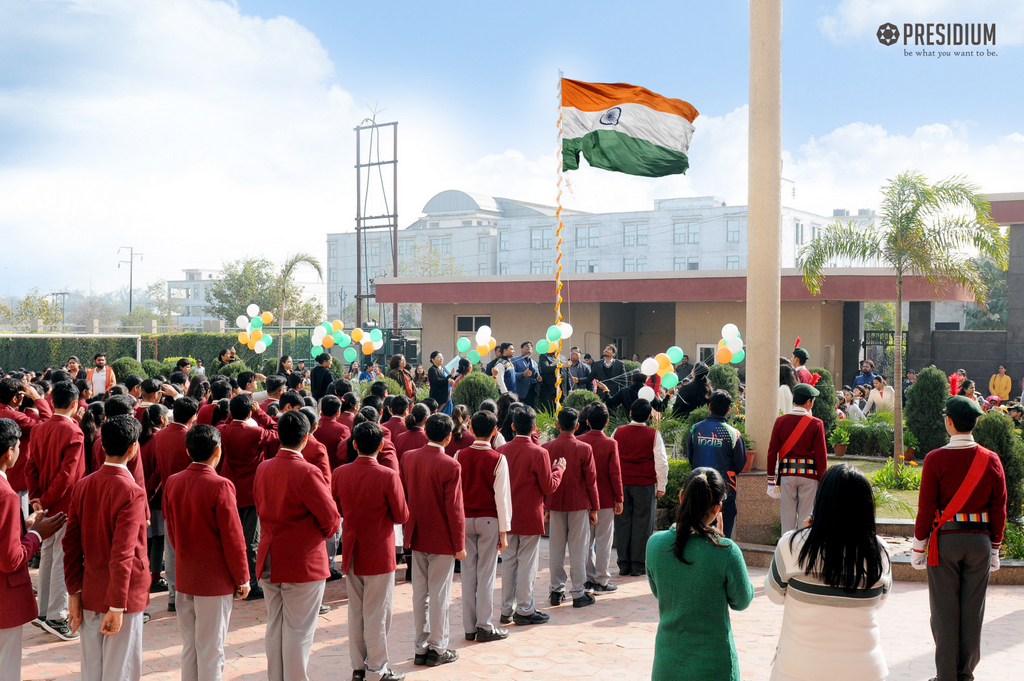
(566,330)
(734,344)
(319,332)
(379,344)
(259,347)
(242,322)
(252,310)
(730,331)
(483,335)
(646,393)
(649,367)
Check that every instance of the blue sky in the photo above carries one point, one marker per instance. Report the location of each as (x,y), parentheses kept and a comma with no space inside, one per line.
(205,130)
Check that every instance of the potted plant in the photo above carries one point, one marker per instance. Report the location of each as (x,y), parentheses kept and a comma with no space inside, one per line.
(910,445)
(839,439)
(751,446)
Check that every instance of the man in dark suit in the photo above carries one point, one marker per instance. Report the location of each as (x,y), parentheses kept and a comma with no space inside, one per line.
(684,369)
(610,371)
(526,375)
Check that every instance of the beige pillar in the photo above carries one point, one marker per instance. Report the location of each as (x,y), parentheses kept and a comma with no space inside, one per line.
(764,173)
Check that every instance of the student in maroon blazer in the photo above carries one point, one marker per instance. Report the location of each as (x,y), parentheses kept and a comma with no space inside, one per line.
(314,452)
(12,392)
(609,494)
(16,546)
(56,466)
(219,390)
(331,431)
(531,476)
(105,563)
(572,509)
(435,537)
(119,405)
(371,500)
(396,425)
(244,442)
(413,437)
(201,514)
(388,456)
(296,514)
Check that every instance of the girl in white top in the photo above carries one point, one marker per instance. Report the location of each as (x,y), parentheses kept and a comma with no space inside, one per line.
(853,411)
(881,398)
(787,381)
(830,623)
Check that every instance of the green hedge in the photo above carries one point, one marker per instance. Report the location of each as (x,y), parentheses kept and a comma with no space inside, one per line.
(926,400)
(996,431)
(123,366)
(871,439)
(825,403)
(678,469)
(577,399)
(724,377)
(474,389)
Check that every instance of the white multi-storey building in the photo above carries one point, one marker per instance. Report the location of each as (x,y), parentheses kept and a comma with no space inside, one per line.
(190,294)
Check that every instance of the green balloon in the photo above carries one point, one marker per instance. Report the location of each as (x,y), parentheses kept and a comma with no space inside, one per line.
(675,355)
(343,340)
(328,327)
(350,354)
(462,345)
(376,335)
(256,323)
(316,351)
(554,333)
(473,356)
(543,346)
(267,339)
(669,380)
(337,337)
(738,357)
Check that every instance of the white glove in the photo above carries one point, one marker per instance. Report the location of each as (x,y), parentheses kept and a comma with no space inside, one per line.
(994,565)
(919,554)
(774,492)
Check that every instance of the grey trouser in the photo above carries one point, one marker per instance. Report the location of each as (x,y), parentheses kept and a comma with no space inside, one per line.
(23,498)
(53,593)
(797,501)
(569,529)
(599,551)
(956,593)
(203,622)
(370,602)
(10,654)
(251,532)
(634,526)
(169,571)
(111,658)
(333,542)
(518,573)
(431,595)
(292,610)
(479,568)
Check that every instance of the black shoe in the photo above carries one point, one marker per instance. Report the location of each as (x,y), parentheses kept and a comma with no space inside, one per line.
(146,617)
(532,618)
(458,567)
(358,674)
(557,597)
(637,573)
(392,675)
(60,628)
(171,607)
(408,574)
(324,609)
(499,560)
(255,594)
(623,572)
(583,601)
(436,659)
(589,586)
(506,619)
(335,576)
(38,622)
(420,660)
(471,636)
(158,586)
(605,588)
(496,634)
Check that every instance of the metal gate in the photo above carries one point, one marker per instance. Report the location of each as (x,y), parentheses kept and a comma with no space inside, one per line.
(879,347)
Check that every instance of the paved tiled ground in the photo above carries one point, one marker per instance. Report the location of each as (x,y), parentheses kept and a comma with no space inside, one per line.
(613,639)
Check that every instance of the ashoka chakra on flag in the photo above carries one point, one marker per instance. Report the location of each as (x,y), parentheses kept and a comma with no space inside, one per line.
(625,128)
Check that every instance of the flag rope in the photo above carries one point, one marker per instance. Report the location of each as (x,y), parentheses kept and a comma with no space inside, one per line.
(558,256)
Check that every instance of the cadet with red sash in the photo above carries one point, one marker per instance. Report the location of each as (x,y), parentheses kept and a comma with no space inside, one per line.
(797,458)
(961,516)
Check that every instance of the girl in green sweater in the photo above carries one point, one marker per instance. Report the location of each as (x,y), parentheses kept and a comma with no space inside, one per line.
(697,575)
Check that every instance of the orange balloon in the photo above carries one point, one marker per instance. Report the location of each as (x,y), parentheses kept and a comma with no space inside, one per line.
(721,344)
(491,344)
(664,363)
(368,348)
(664,370)
(267,317)
(243,338)
(256,334)
(482,349)
(251,344)
(328,341)
(337,325)
(723,355)
(357,335)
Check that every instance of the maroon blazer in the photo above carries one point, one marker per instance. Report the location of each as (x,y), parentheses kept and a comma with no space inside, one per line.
(531,478)
(329,434)
(606,461)
(205,414)
(243,448)
(578,489)
(810,445)
(388,456)
(154,486)
(57,463)
(396,425)
(99,455)
(371,500)
(105,553)
(27,420)
(413,438)
(296,514)
(462,442)
(171,454)
(16,547)
(433,484)
(315,453)
(347,419)
(201,514)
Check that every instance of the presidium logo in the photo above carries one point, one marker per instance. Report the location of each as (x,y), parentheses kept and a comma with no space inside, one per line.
(941,35)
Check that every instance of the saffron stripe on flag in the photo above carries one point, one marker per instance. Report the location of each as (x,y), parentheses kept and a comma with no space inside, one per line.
(603,96)
(636,120)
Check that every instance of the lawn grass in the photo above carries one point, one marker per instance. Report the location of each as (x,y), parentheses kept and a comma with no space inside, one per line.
(909,497)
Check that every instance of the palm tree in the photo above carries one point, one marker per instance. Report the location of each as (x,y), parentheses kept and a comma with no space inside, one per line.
(287,289)
(923,231)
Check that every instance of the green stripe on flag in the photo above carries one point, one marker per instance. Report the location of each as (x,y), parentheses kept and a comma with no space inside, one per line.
(613,150)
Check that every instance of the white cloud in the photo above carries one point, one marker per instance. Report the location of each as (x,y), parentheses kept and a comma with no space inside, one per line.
(859,19)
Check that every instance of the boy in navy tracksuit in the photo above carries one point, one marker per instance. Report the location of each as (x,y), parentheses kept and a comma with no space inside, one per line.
(716,444)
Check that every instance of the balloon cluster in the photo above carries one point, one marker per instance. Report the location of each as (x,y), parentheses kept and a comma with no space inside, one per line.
(661,364)
(332,334)
(555,333)
(252,323)
(730,348)
(484,344)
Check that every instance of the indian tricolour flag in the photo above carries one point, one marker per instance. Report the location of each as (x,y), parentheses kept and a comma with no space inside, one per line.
(622,127)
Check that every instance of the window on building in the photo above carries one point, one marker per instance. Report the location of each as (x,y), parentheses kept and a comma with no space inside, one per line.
(195,291)
(541,239)
(641,263)
(641,235)
(190,276)
(595,237)
(433,225)
(628,235)
(373,248)
(581,266)
(484,269)
(504,240)
(332,249)
(441,244)
(679,232)
(679,264)
(798,233)
(581,236)
(814,231)
(482,244)
(332,298)
(693,233)
(503,268)
(732,231)
(479,223)
(332,274)
(535,266)
(592,266)
(693,263)
(471,324)
(732,262)
(188,311)
(628,265)
(467,223)
(406,246)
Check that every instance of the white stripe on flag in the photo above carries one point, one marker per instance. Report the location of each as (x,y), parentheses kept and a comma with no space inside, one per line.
(636,120)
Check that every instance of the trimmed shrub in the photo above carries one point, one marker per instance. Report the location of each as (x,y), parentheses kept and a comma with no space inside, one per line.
(678,469)
(123,366)
(474,389)
(871,439)
(151,367)
(995,431)
(233,369)
(724,377)
(629,364)
(577,399)
(923,413)
(825,403)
